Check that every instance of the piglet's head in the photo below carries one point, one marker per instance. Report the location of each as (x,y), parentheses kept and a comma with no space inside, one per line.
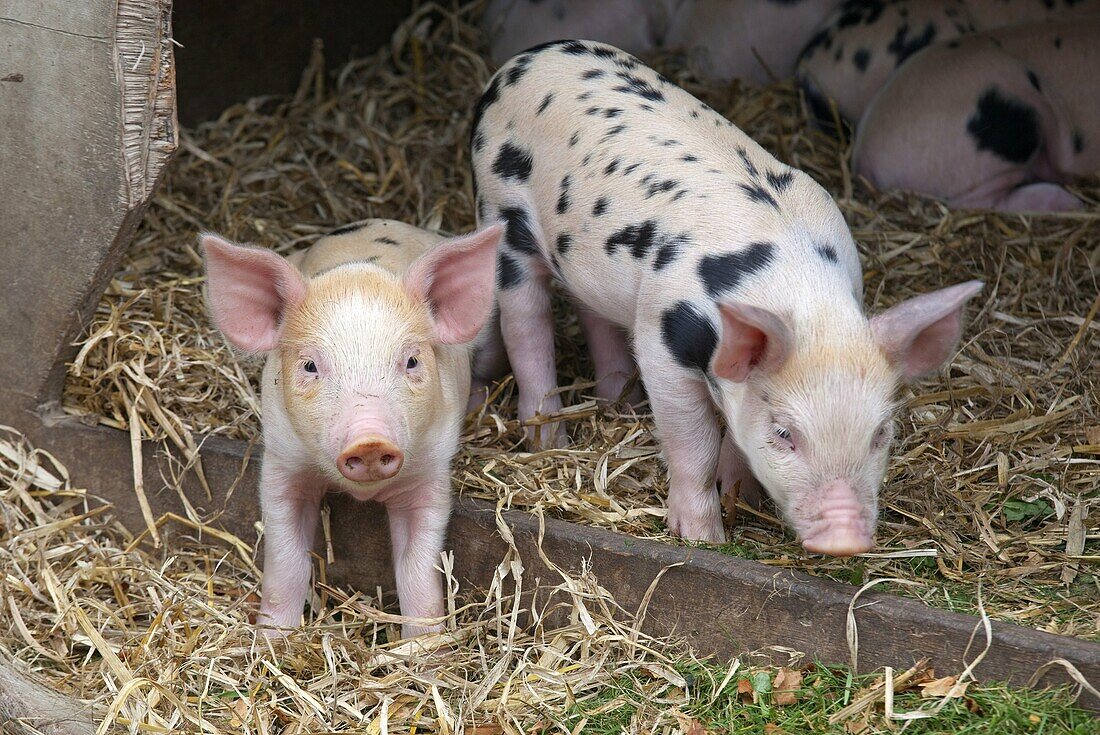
(813,414)
(359,347)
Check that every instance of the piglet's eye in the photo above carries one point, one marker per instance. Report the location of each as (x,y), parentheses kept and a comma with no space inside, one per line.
(882,436)
(412,363)
(783,437)
(310,366)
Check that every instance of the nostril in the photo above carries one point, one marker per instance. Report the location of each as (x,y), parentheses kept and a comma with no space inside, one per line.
(352,462)
(386,459)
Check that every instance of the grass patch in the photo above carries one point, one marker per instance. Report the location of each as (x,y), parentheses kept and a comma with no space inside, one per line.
(746,704)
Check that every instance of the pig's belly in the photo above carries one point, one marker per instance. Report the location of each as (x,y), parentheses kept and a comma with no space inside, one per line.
(604,286)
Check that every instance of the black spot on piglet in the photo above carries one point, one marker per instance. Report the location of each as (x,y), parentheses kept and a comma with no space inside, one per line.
(509,272)
(780,182)
(513,163)
(659,187)
(724,273)
(346,229)
(861,58)
(1005,126)
(639,238)
(827,253)
(749,167)
(517,230)
(518,69)
(636,85)
(565,241)
(563,196)
(689,335)
(759,194)
(488,98)
(576,48)
(903,47)
(665,255)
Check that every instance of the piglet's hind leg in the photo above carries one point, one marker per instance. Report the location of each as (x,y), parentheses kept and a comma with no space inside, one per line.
(490,362)
(611,357)
(1040,197)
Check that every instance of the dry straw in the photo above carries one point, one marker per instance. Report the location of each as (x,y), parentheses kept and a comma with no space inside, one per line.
(996,477)
(158,640)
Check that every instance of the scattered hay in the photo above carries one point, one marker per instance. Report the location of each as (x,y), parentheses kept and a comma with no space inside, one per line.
(996,478)
(159,639)
(135,637)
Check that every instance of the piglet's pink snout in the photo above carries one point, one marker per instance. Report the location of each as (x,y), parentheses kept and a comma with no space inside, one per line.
(840,528)
(369,459)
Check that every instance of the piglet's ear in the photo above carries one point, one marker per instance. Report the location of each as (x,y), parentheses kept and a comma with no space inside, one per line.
(753,340)
(920,334)
(249,290)
(456,279)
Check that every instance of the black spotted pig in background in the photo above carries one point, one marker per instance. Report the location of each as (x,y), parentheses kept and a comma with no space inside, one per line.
(998,120)
(732,39)
(861,44)
(734,276)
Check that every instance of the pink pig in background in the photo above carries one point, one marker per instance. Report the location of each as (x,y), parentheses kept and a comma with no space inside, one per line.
(364,388)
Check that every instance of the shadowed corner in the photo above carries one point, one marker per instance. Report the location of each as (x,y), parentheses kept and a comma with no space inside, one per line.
(821,111)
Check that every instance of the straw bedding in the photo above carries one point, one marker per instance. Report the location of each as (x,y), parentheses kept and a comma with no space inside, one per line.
(103,632)
(159,640)
(995,485)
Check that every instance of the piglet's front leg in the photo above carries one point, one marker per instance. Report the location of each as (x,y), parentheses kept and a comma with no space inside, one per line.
(291,503)
(690,439)
(527,323)
(734,473)
(418,526)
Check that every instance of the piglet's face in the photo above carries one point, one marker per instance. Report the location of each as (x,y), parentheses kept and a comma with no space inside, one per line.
(822,433)
(816,421)
(359,346)
(359,373)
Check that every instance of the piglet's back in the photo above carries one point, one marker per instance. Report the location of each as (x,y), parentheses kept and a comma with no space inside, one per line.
(386,243)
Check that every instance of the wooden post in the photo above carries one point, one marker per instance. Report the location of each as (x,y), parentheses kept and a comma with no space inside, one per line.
(87,124)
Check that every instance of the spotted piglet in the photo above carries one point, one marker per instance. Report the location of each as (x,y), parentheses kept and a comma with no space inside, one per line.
(734,276)
(862,43)
(998,120)
(364,388)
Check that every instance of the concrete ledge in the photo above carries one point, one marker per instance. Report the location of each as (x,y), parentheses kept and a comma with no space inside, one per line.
(722,605)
